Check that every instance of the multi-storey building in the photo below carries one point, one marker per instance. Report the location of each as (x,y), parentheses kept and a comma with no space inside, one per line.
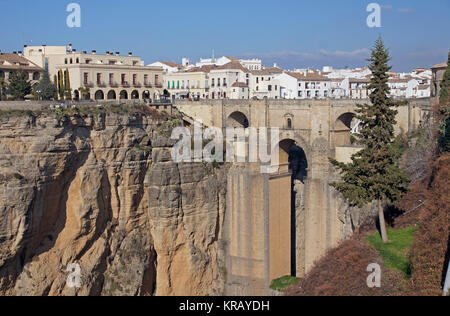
(264,83)
(95,76)
(188,84)
(13,62)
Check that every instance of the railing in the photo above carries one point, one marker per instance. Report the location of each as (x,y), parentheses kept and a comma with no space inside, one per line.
(113,84)
(125,84)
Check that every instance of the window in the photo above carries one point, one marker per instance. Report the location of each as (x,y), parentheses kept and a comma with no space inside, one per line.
(65,61)
(224,82)
(78,60)
(218,82)
(317,94)
(123,77)
(111,78)
(156,79)
(85,78)
(257,80)
(300,94)
(269,87)
(276,88)
(289,123)
(99,79)
(212,84)
(134,79)
(145,79)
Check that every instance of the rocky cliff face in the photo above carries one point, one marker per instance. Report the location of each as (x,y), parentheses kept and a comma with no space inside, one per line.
(101,191)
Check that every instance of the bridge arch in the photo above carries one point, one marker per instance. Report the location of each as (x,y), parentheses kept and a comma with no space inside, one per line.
(343,128)
(237,119)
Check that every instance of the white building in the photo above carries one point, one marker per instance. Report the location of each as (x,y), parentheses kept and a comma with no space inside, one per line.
(167,66)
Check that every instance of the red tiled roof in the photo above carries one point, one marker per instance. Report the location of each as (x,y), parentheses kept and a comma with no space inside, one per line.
(16,61)
(239,84)
(309,76)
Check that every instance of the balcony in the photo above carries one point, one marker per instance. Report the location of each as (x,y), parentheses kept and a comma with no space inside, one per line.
(148,85)
(113,84)
(88,84)
(101,84)
(125,84)
(137,85)
(158,85)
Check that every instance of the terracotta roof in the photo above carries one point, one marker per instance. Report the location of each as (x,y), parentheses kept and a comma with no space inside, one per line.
(171,64)
(268,71)
(357,80)
(441,65)
(239,84)
(233,65)
(423,86)
(206,68)
(14,61)
(309,76)
(398,80)
(232,58)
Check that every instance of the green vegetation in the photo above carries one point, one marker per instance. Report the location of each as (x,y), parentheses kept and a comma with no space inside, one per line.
(19,85)
(283,283)
(374,173)
(45,87)
(444,94)
(395,254)
(18,176)
(167,127)
(3,87)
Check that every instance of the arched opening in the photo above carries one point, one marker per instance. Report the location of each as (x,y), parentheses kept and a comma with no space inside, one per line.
(123,95)
(36,75)
(134,95)
(76,95)
(99,95)
(293,166)
(343,129)
(293,158)
(112,95)
(237,119)
(146,95)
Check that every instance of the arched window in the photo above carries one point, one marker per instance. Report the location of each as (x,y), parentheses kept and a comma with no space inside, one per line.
(36,75)
(289,123)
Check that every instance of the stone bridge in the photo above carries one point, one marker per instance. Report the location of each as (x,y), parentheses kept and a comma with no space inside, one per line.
(280,224)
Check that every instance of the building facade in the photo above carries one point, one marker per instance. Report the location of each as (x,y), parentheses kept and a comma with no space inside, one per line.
(14,62)
(437,77)
(100,77)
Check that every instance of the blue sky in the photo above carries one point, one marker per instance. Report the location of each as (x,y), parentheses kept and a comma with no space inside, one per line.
(293,33)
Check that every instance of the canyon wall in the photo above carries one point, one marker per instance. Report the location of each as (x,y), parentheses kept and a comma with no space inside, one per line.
(101,191)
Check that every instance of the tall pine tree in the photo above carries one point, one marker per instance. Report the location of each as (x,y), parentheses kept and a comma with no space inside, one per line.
(61,88)
(444,98)
(45,86)
(67,89)
(19,85)
(374,174)
(444,94)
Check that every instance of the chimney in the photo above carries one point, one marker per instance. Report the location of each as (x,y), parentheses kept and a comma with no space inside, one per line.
(94,52)
(117,53)
(20,53)
(130,54)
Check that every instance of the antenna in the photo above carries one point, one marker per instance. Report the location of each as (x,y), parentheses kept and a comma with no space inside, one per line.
(213,55)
